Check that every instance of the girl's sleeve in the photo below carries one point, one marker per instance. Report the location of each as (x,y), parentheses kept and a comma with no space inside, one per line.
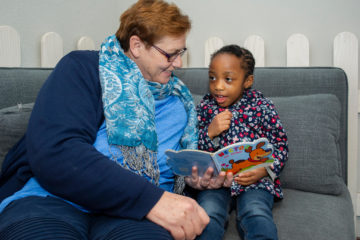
(59,141)
(273,130)
(205,143)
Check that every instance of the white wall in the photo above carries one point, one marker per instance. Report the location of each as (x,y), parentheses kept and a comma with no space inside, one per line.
(71,19)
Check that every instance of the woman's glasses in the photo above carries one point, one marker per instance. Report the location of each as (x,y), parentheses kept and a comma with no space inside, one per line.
(170,57)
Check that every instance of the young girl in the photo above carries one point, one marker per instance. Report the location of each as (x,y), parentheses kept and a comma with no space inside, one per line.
(230,113)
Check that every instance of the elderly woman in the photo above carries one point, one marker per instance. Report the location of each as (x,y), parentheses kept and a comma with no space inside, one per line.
(92,163)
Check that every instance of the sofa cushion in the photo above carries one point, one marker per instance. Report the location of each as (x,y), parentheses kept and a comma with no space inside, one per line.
(312,123)
(305,215)
(13,124)
(197,98)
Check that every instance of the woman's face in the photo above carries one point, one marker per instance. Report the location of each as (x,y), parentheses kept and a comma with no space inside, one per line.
(154,65)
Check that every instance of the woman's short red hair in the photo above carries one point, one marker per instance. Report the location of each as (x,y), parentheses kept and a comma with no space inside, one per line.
(151,20)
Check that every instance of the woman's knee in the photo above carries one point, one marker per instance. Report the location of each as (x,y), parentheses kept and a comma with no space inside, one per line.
(41,228)
(109,228)
(42,218)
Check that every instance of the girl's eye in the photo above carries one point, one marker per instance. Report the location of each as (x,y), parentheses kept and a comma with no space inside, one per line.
(211,78)
(228,79)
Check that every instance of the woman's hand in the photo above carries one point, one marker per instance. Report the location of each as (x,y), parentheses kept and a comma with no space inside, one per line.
(251,177)
(208,181)
(181,216)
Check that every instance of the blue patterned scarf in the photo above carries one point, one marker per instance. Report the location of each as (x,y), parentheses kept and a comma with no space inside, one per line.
(129,108)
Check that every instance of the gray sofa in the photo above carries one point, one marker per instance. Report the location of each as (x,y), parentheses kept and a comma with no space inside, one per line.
(312,104)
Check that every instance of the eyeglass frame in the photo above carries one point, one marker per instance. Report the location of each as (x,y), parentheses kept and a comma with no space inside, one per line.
(172,55)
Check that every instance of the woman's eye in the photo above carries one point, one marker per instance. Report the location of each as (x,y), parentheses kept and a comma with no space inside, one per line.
(211,78)
(228,79)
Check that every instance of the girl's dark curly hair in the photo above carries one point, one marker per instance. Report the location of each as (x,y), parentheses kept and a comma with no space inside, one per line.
(246,57)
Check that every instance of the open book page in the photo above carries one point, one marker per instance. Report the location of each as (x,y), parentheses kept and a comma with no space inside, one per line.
(244,156)
(182,161)
(235,158)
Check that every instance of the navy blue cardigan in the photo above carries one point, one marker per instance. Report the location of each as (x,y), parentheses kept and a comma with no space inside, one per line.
(58,146)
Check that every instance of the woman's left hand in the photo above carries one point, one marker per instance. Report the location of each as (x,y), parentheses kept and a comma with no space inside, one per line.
(208,181)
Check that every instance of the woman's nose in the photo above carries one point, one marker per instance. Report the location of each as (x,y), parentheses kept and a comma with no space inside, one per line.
(177,63)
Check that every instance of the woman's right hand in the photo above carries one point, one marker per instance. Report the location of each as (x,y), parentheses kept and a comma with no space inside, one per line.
(181,216)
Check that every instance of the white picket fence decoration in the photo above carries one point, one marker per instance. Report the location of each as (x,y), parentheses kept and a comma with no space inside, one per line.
(346,57)
(10,53)
(51,49)
(85,43)
(185,59)
(211,45)
(298,51)
(256,45)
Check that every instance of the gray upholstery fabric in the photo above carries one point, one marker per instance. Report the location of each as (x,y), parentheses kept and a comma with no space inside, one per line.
(309,216)
(312,123)
(197,98)
(13,124)
(294,81)
(304,215)
(20,85)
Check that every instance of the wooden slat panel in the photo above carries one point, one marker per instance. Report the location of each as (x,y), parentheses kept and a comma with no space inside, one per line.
(10,52)
(256,45)
(346,57)
(85,43)
(185,59)
(359,106)
(298,51)
(211,45)
(51,49)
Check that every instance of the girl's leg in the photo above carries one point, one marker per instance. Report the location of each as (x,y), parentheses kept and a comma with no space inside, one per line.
(110,228)
(254,215)
(37,218)
(217,205)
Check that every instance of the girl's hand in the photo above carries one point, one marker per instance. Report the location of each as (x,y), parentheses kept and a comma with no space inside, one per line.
(220,123)
(251,177)
(208,181)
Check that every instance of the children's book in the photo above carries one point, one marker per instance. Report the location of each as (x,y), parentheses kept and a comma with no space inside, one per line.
(236,158)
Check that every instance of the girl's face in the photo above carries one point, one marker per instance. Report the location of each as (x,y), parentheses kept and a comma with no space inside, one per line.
(227,79)
(154,64)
